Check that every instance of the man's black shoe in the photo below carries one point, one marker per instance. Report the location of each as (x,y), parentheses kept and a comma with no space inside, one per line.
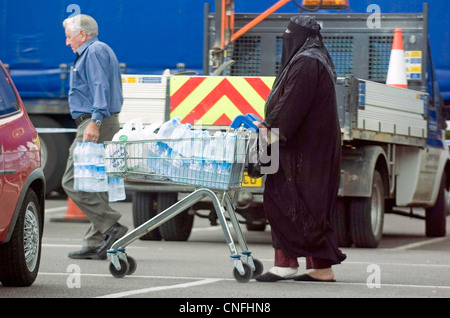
(114,233)
(86,253)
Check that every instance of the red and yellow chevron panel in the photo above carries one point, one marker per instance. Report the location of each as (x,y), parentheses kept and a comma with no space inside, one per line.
(217,100)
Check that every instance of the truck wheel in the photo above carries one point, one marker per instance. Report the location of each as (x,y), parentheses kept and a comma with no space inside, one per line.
(143,210)
(367,215)
(256,226)
(54,152)
(179,227)
(341,223)
(255,219)
(435,216)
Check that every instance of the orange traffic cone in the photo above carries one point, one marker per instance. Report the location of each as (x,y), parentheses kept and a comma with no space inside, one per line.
(73,214)
(397,69)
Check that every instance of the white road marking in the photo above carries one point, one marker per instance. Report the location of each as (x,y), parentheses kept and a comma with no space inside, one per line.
(79,246)
(55,210)
(153,289)
(420,244)
(207,229)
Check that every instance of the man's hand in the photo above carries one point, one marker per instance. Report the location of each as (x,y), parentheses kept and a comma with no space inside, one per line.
(91,133)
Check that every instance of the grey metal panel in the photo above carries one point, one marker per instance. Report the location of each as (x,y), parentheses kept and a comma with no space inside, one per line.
(342,26)
(357,168)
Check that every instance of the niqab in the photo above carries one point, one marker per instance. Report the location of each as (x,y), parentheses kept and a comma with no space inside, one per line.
(304,39)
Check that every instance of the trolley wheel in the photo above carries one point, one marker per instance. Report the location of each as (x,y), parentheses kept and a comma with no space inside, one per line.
(132,265)
(259,268)
(247,274)
(124,269)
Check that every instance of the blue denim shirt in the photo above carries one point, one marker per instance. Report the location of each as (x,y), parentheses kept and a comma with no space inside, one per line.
(95,81)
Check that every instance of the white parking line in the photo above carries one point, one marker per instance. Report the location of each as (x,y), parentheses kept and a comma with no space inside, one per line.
(152,289)
(420,244)
(207,229)
(55,210)
(79,245)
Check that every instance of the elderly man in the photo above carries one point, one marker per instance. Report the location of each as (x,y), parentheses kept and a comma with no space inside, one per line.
(95,99)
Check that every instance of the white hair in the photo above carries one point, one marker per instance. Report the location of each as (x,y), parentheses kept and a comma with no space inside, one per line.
(82,22)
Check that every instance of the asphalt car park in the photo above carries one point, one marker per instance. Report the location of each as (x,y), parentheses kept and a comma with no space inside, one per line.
(406,264)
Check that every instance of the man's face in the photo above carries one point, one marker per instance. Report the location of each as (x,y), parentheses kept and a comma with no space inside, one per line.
(75,41)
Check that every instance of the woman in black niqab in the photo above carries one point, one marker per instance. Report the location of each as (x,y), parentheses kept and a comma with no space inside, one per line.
(301,196)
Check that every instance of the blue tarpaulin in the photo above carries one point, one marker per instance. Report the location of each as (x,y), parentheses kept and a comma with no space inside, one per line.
(151,36)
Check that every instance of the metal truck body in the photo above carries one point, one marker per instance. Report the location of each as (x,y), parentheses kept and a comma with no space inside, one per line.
(393,139)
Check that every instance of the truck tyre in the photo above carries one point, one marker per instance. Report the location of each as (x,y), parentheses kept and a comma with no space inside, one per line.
(143,210)
(341,223)
(367,215)
(255,219)
(435,216)
(256,226)
(54,152)
(179,227)
(20,257)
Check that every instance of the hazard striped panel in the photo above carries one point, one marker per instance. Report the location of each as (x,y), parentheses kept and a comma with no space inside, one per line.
(217,100)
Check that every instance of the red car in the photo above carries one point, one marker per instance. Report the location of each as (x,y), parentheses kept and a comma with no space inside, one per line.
(22,188)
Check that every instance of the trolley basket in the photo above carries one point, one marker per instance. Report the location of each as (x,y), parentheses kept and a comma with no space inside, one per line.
(213,165)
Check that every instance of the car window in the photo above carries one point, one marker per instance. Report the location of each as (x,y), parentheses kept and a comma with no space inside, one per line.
(8,100)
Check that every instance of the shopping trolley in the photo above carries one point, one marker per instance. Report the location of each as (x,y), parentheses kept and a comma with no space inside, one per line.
(214,167)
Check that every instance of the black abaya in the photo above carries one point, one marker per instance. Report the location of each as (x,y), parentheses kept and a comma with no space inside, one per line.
(300,197)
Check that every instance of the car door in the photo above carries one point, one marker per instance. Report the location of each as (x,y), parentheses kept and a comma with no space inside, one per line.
(10,182)
(2,171)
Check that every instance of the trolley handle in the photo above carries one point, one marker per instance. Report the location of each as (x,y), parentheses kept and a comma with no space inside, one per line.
(246,121)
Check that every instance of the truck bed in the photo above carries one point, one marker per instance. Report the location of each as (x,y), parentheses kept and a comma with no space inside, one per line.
(373,111)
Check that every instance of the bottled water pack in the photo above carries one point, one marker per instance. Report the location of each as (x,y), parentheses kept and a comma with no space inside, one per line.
(90,167)
(90,170)
(191,156)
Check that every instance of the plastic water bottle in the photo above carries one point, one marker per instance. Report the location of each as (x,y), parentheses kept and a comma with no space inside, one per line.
(240,145)
(221,164)
(116,191)
(161,164)
(77,166)
(180,130)
(196,163)
(83,168)
(210,163)
(91,167)
(181,146)
(166,130)
(102,179)
(149,149)
(228,156)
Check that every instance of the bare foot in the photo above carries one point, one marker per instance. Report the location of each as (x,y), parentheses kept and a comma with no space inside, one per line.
(322,274)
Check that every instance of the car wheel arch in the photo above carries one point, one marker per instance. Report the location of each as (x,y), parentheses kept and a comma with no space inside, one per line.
(36,181)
